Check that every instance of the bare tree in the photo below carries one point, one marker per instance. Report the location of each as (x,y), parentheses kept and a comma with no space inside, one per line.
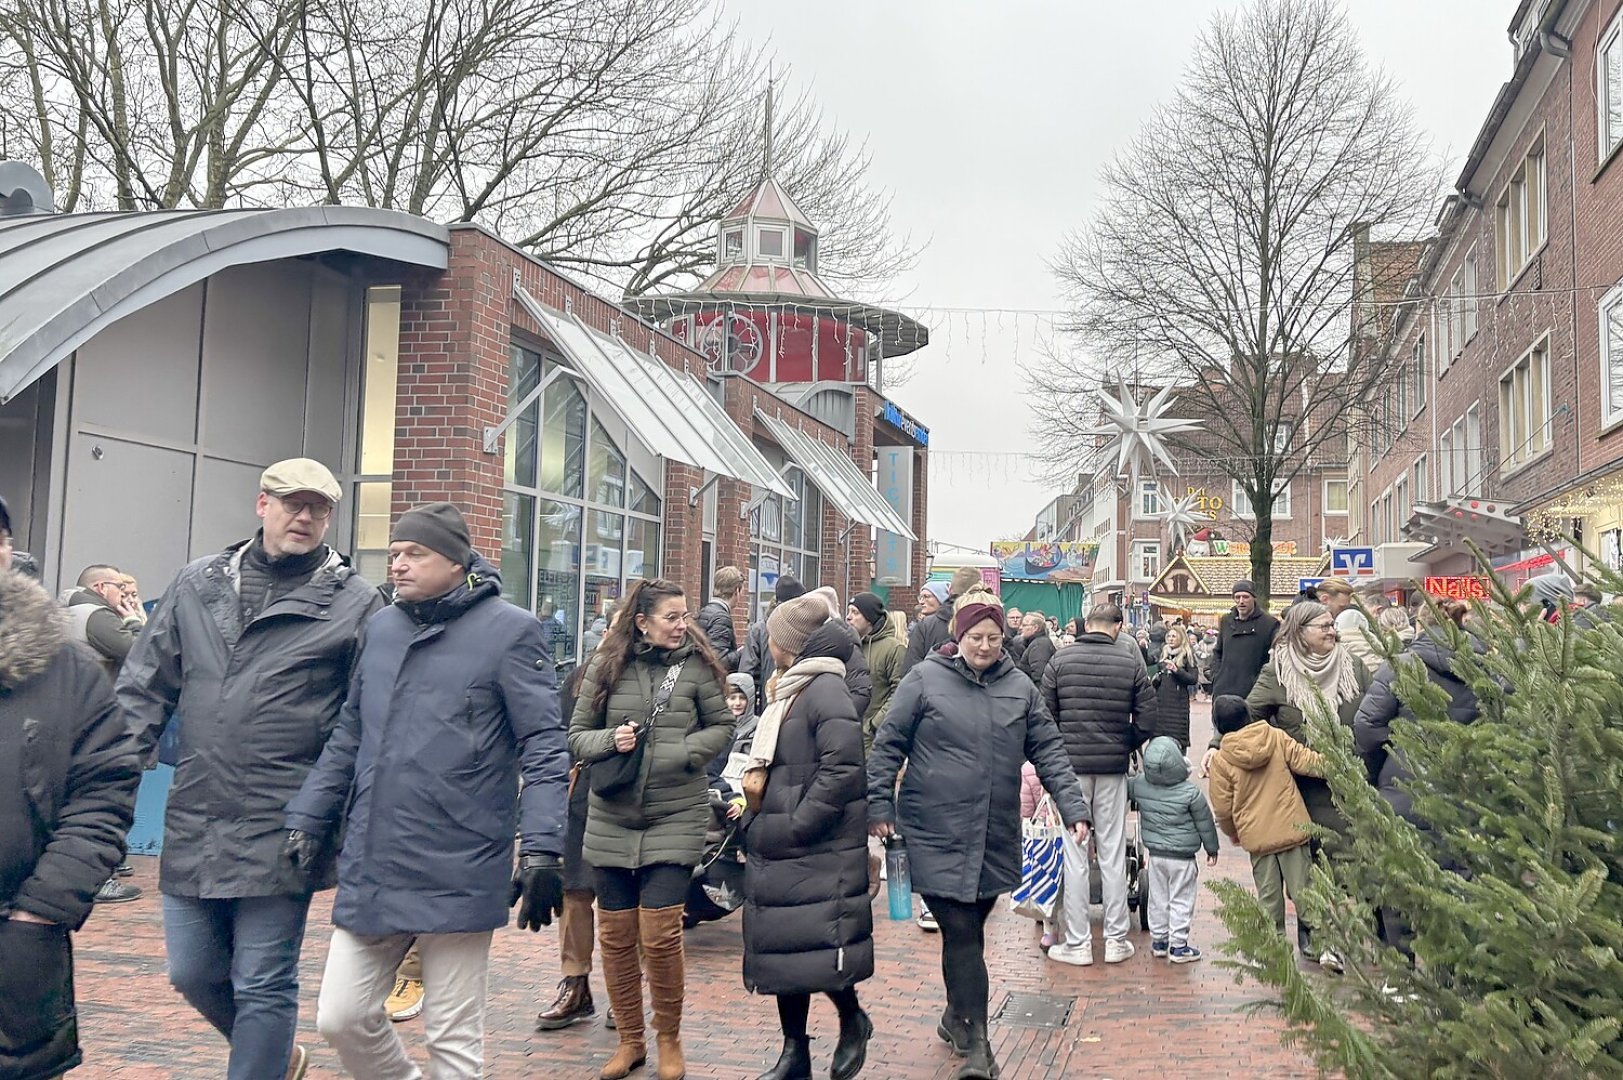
(1227,257)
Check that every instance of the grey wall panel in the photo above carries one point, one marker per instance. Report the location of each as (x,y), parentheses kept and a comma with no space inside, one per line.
(140,374)
(127,504)
(224,511)
(256,343)
(330,306)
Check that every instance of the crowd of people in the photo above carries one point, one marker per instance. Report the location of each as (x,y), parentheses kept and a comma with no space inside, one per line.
(392,742)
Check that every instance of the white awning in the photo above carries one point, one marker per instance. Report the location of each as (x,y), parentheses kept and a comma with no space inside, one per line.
(837,477)
(668,411)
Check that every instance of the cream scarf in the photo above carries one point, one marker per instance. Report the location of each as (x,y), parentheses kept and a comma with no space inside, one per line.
(783,689)
(1301,674)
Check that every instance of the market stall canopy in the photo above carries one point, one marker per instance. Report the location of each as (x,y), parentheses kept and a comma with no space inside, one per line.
(836,476)
(66,277)
(669,411)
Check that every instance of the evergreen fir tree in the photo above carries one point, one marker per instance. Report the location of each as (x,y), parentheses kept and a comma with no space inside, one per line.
(1513,890)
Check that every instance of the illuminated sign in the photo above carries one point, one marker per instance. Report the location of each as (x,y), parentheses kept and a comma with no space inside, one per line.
(1458,587)
(896,418)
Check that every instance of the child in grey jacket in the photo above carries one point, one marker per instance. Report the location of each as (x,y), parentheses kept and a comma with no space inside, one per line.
(1176,822)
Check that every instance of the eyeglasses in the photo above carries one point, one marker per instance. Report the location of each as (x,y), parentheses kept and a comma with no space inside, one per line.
(320,509)
(1321,625)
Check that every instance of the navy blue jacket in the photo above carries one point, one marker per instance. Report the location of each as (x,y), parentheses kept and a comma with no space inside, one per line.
(452,699)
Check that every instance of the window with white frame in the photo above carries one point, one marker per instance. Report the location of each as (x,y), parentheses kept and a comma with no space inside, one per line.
(1375,523)
(1282,437)
(1400,505)
(1520,216)
(1421,492)
(1146,559)
(1388,529)
(769,243)
(1149,498)
(1470,296)
(1609,88)
(1401,389)
(1417,378)
(1445,463)
(1524,407)
(1611,356)
(1241,506)
(1335,497)
(1472,442)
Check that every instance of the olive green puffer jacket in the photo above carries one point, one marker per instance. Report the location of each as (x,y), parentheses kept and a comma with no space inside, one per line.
(663,817)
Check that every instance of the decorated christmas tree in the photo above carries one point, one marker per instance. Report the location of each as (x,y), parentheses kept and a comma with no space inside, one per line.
(1505,883)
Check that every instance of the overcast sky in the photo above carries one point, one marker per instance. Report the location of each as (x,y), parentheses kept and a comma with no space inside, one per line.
(990,122)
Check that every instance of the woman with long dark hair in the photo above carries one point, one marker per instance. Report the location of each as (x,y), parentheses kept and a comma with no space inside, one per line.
(653,689)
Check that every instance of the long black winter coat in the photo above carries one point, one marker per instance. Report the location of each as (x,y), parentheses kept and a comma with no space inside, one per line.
(1036,655)
(1243,647)
(68,773)
(1172,700)
(927,635)
(808,919)
(255,705)
(452,701)
(965,736)
(1372,726)
(1103,703)
(715,621)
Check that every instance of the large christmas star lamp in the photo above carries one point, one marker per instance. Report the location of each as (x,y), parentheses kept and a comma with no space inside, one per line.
(1137,434)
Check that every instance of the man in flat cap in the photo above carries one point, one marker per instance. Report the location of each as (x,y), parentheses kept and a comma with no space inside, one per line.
(454,700)
(251,650)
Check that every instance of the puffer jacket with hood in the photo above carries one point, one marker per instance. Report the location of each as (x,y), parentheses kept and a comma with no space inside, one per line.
(883,652)
(453,701)
(1173,815)
(1253,786)
(836,638)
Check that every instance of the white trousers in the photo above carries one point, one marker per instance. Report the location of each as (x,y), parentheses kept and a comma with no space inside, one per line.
(360,974)
(1107,795)
(1173,886)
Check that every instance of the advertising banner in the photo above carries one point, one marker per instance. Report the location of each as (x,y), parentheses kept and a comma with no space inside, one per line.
(893,554)
(1046,560)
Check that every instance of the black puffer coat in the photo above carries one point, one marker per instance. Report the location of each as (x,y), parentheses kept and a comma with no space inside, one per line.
(836,638)
(927,635)
(1035,657)
(68,772)
(1372,725)
(715,621)
(965,736)
(808,919)
(1103,703)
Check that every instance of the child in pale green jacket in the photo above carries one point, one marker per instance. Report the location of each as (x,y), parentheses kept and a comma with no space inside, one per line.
(1175,822)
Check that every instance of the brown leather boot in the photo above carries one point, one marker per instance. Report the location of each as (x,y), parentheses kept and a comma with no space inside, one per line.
(574,1003)
(662,952)
(622,976)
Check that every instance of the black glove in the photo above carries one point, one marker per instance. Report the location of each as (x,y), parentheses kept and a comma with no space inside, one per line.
(301,855)
(538,889)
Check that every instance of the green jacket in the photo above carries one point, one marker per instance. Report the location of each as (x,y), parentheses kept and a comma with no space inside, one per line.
(883,650)
(662,819)
(1267,701)
(1174,817)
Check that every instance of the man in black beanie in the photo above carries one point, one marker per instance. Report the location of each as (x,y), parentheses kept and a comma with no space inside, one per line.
(755,660)
(453,701)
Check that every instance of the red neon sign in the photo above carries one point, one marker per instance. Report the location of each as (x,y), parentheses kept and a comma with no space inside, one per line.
(1458,587)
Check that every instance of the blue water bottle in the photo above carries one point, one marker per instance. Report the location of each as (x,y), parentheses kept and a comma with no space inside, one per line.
(898,879)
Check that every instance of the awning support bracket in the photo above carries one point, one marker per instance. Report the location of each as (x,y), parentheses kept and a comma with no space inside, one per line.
(494,434)
(697,493)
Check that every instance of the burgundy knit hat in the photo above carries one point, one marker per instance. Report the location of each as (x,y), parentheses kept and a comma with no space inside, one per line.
(976,605)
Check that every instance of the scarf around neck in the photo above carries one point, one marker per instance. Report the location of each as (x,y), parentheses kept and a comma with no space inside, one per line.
(782,690)
(1301,674)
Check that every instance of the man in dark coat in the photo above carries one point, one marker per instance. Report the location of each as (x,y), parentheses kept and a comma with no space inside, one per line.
(454,699)
(251,650)
(716,617)
(1104,706)
(1038,647)
(755,659)
(1015,644)
(68,773)
(934,631)
(1245,636)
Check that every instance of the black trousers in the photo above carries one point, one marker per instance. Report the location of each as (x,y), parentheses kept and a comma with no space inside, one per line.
(793,1010)
(660,885)
(963,954)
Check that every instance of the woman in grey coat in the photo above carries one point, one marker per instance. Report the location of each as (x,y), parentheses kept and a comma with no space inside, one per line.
(965,724)
(644,842)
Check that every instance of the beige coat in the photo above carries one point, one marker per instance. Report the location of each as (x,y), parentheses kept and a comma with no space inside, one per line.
(1253,793)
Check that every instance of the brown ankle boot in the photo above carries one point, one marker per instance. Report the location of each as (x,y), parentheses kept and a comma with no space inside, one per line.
(622,975)
(662,951)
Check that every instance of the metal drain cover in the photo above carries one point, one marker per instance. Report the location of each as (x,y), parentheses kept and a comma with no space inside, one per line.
(1035,1010)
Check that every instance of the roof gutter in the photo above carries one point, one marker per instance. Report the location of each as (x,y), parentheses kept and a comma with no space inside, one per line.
(1541,39)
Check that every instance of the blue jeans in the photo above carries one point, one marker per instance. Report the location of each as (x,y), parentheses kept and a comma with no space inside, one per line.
(237,963)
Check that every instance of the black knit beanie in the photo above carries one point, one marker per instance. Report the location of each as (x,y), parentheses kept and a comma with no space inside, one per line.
(438,527)
(869,606)
(787,588)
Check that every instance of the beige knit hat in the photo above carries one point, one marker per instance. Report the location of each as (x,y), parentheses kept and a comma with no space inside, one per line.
(793,621)
(832,598)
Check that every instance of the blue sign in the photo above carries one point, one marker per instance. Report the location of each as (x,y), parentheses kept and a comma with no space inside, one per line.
(1352,562)
(1303,584)
(892,414)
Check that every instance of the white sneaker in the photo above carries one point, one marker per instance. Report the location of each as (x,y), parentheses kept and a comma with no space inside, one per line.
(927,922)
(1118,950)
(1331,961)
(1075,955)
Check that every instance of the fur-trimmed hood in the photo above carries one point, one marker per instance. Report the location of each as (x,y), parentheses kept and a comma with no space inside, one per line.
(33,629)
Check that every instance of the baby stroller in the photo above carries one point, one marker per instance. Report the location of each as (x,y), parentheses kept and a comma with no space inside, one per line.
(717,888)
(1133,865)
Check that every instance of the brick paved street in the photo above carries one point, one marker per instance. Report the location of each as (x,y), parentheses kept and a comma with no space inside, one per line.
(1140,1019)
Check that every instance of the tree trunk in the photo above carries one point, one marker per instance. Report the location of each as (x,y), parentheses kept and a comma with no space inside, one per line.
(1262,554)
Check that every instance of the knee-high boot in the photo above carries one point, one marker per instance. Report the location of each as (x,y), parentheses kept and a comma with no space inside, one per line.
(662,952)
(617,936)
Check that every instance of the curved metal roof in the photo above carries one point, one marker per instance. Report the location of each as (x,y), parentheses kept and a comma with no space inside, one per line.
(66,277)
(897,333)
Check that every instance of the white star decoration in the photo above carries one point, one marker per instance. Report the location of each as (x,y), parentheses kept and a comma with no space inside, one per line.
(1181,516)
(1138,432)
